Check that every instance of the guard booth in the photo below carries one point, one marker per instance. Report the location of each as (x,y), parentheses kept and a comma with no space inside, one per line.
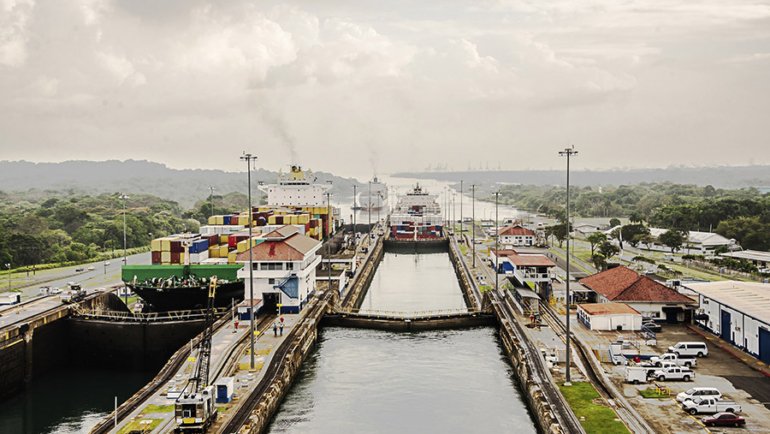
(247,306)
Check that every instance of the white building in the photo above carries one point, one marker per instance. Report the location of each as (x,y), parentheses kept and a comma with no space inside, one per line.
(756,257)
(738,312)
(284,269)
(697,242)
(609,316)
(517,236)
(296,188)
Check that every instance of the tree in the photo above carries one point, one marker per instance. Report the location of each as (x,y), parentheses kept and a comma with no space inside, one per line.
(616,234)
(605,250)
(673,239)
(749,232)
(614,222)
(646,239)
(635,217)
(596,238)
(632,233)
(558,231)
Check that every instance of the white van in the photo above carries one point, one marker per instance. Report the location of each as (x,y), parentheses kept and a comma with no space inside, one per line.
(699,392)
(689,349)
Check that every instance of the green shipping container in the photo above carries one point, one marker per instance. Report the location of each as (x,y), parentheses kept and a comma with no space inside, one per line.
(144,272)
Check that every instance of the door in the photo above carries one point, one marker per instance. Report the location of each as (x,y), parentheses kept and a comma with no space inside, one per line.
(764,345)
(725,327)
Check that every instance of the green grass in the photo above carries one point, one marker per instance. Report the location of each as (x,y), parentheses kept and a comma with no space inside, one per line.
(653,393)
(137,426)
(485,288)
(154,408)
(595,418)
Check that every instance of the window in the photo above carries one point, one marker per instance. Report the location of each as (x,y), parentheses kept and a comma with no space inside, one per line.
(271,281)
(290,265)
(271,266)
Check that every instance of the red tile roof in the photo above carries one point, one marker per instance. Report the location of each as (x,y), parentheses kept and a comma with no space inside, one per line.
(530,261)
(517,230)
(623,284)
(280,247)
(503,252)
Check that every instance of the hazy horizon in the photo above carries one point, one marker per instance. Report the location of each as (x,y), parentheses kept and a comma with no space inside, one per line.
(373,87)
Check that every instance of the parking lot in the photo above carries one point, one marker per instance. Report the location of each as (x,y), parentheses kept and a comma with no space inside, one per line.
(732,377)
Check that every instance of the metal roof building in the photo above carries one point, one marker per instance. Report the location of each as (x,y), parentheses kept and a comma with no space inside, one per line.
(739,312)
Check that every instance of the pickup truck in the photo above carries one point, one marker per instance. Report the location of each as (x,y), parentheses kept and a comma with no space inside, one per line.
(710,406)
(673,358)
(674,373)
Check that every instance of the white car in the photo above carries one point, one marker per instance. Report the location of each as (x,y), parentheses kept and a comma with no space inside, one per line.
(91,268)
(674,373)
(689,349)
(698,392)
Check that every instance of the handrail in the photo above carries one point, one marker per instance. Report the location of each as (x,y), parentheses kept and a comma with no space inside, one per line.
(177,315)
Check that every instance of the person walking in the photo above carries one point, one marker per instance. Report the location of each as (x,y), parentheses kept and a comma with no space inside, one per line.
(275,329)
(281,327)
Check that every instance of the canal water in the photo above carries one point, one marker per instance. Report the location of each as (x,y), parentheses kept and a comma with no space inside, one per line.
(367,381)
(68,400)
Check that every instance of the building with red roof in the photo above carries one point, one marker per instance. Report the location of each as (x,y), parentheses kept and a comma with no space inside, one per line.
(517,236)
(284,268)
(649,297)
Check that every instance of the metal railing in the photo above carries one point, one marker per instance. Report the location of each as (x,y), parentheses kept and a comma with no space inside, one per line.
(410,315)
(174,315)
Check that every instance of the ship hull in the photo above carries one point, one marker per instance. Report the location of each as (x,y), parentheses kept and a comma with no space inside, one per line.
(188,297)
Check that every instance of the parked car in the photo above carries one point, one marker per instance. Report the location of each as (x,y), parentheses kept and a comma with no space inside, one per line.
(724,419)
(91,268)
(690,362)
(674,373)
(652,326)
(698,392)
(80,269)
(710,405)
(54,290)
(689,349)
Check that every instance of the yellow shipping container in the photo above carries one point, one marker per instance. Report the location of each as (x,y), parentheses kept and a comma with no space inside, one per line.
(243,246)
(271,220)
(231,257)
(212,220)
(223,251)
(214,252)
(304,219)
(165,257)
(165,244)
(220,220)
(155,245)
(223,239)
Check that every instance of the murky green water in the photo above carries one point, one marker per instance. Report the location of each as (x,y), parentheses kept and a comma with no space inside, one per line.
(366,381)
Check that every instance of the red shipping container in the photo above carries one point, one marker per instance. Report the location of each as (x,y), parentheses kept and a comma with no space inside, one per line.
(213,240)
(234,220)
(155,257)
(176,247)
(174,257)
(279,219)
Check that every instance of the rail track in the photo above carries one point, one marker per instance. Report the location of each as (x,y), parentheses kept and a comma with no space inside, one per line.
(565,415)
(273,371)
(630,418)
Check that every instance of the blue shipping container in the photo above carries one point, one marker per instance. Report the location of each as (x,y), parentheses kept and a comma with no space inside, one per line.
(227,219)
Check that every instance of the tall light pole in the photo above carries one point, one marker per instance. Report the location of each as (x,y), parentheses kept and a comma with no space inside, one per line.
(354,211)
(328,253)
(461,209)
(568,152)
(125,257)
(497,254)
(8,266)
(369,206)
(473,221)
(212,199)
(248,158)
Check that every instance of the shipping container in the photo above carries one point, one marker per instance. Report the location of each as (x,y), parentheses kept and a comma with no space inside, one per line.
(175,257)
(235,219)
(155,257)
(212,220)
(214,251)
(224,250)
(165,244)
(165,257)
(231,257)
(155,245)
(223,239)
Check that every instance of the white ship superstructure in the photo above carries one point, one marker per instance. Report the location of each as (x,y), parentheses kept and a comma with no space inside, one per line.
(296,189)
(374,196)
(416,216)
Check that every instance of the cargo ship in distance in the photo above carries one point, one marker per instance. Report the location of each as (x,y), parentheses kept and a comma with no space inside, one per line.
(417,216)
(374,196)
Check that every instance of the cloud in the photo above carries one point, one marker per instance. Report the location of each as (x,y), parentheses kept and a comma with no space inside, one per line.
(14,19)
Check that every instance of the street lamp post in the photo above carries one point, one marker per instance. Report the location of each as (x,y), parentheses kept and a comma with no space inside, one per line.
(248,158)
(212,199)
(354,212)
(328,253)
(8,266)
(568,152)
(461,209)
(369,206)
(125,257)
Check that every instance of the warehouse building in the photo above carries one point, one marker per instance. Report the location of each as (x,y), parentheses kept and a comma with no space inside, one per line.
(609,316)
(738,312)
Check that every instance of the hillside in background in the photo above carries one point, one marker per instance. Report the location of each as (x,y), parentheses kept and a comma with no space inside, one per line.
(720,176)
(182,186)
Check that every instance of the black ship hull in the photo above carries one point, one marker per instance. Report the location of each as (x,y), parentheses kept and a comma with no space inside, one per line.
(188,297)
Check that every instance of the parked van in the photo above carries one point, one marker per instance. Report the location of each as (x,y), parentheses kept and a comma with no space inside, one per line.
(689,349)
(699,392)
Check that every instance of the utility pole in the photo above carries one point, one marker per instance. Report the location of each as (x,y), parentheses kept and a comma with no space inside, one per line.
(568,152)
(497,255)
(369,206)
(8,266)
(125,257)
(473,221)
(248,158)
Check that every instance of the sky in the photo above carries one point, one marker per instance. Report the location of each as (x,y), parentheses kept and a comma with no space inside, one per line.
(362,87)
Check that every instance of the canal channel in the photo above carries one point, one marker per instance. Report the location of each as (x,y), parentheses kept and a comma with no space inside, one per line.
(367,381)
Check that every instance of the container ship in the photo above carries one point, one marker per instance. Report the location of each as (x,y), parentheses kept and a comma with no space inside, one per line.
(417,216)
(183,264)
(374,196)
